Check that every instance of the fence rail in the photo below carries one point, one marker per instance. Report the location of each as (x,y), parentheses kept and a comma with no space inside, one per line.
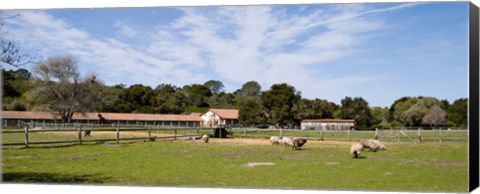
(400,135)
(80,135)
(388,135)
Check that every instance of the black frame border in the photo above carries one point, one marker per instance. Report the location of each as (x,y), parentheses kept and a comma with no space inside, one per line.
(473,102)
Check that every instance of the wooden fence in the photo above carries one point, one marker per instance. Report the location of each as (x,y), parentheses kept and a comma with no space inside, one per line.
(416,136)
(171,133)
(404,135)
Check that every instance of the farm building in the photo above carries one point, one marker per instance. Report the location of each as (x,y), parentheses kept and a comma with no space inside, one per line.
(328,124)
(15,118)
(220,117)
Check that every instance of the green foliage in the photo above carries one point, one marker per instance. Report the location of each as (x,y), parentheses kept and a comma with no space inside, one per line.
(222,100)
(250,88)
(314,109)
(251,113)
(358,109)
(380,117)
(169,100)
(278,103)
(15,85)
(411,110)
(214,86)
(282,105)
(457,114)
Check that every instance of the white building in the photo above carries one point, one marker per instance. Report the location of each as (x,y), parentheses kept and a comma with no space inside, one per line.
(220,118)
(328,124)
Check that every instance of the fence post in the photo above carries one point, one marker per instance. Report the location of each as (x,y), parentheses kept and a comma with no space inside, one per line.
(244,132)
(397,135)
(376,133)
(80,135)
(321,134)
(440,135)
(26,137)
(348,134)
(281,132)
(419,136)
(175,133)
(149,134)
(118,134)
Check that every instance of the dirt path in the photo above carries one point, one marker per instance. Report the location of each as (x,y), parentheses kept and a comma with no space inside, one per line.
(129,134)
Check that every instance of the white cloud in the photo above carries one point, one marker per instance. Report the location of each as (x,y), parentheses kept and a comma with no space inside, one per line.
(232,44)
(124,29)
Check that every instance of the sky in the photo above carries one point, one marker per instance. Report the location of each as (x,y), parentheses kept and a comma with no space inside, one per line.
(378,51)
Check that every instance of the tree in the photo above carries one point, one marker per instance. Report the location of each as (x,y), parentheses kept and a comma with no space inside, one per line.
(169,100)
(197,95)
(61,90)
(222,100)
(15,84)
(214,86)
(251,113)
(139,98)
(435,116)
(409,111)
(380,117)
(109,99)
(356,108)
(457,113)
(314,109)
(278,103)
(11,53)
(251,88)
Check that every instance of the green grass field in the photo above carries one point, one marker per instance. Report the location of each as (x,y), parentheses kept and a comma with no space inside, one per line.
(432,166)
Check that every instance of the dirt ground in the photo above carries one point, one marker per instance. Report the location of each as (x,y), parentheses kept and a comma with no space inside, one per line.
(214,140)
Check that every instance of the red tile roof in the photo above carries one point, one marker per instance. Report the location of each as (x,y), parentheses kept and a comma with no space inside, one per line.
(225,113)
(329,120)
(107,116)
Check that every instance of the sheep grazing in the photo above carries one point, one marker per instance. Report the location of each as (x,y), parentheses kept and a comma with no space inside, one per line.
(298,143)
(373,145)
(205,138)
(356,149)
(287,141)
(152,138)
(275,140)
(87,132)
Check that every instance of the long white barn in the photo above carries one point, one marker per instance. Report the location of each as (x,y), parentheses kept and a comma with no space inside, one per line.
(328,124)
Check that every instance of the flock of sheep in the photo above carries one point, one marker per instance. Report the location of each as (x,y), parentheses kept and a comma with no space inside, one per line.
(296,143)
(371,144)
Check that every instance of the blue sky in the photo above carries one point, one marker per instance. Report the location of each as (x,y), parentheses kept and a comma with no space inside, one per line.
(378,51)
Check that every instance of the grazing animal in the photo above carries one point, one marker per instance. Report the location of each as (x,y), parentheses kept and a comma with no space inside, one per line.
(87,133)
(298,143)
(356,149)
(373,145)
(152,138)
(287,141)
(275,140)
(205,138)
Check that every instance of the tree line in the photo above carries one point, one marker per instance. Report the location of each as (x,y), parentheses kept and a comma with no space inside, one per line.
(55,85)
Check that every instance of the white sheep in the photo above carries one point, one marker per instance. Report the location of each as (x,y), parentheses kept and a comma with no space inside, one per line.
(205,138)
(275,140)
(356,149)
(287,141)
(373,145)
